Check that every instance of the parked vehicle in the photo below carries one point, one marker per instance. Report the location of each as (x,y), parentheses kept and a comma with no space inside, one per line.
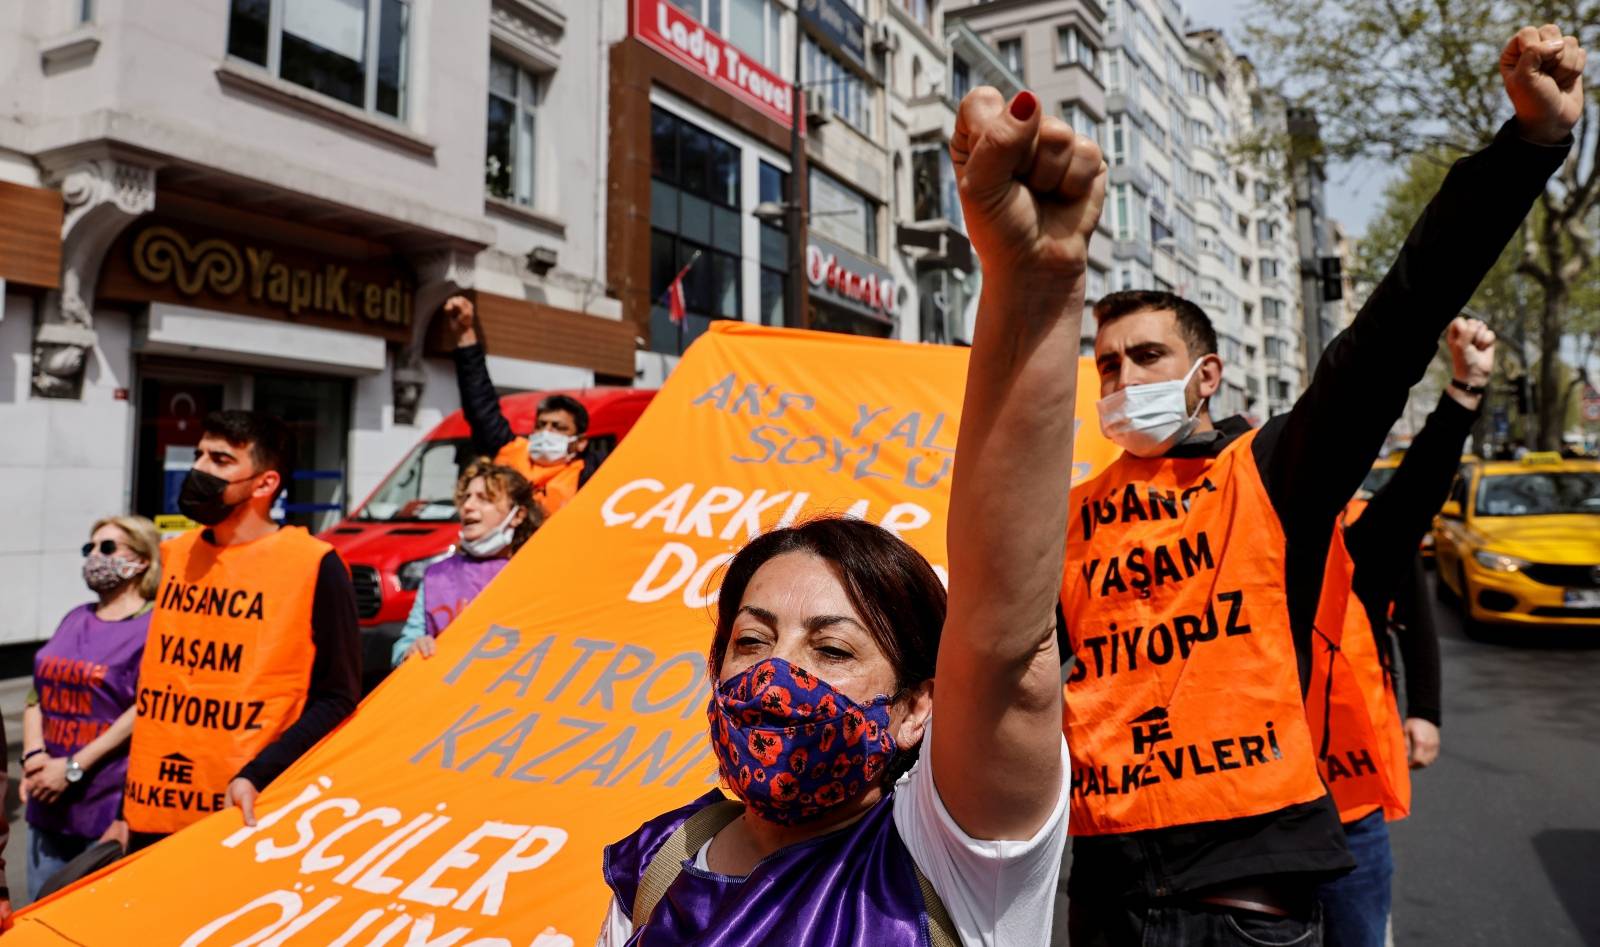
(1518,542)
(409,522)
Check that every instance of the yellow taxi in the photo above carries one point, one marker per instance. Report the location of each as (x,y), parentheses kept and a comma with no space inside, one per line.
(1383,471)
(1518,542)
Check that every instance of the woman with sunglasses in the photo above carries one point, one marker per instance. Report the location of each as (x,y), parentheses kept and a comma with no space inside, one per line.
(80,713)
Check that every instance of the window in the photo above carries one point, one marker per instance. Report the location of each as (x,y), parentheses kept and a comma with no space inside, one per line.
(848,94)
(1276,349)
(934,195)
(510,159)
(694,216)
(1113,61)
(1010,51)
(1269,269)
(1244,269)
(1082,122)
(960,78)
(1158,195)
(1271,311)
(1073,48)
(920,10)
(1263,192)
(774,186)
(843,214)
(86,11)
(1111,15)
(1132,214)
(1266,231)
(355,51)
(1095,285)
(751,25)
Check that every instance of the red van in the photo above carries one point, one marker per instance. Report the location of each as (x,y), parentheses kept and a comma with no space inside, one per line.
(409,522)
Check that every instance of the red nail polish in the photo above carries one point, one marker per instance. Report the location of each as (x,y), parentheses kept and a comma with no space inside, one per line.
(1023,105)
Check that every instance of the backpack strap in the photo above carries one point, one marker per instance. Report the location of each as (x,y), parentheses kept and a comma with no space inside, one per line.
(667,863)
(687,840)
(941,930)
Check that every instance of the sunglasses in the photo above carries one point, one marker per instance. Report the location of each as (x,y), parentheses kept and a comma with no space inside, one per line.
(107,547)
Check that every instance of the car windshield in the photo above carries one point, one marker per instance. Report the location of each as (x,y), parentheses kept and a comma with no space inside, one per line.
(1539,494)
(1377,477)
(423,487)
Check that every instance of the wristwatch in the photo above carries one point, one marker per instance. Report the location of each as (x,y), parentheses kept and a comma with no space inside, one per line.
(1468,387)
(74,771)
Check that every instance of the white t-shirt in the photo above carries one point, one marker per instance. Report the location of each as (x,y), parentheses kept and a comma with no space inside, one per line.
(998,894)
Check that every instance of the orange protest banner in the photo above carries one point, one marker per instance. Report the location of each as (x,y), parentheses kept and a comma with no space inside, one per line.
(468,799)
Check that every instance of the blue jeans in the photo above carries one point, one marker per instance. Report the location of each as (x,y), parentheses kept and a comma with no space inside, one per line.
(1355,908)
(48,852)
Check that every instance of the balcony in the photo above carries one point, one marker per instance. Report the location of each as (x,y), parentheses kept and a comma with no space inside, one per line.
(932,116)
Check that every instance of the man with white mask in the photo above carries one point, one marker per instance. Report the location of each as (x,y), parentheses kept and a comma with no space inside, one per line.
(1195,562)
(551,458)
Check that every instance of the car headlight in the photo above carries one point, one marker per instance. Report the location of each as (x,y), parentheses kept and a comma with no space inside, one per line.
(1499,561)
(410,573)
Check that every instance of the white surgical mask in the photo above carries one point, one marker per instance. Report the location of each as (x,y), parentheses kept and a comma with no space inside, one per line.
(1146,420)
(492,543)
(549,446)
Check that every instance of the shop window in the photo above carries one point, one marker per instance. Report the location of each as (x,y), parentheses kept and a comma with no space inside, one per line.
(510,162)
(355,51)
(694,222)
(849,95)
(843,214)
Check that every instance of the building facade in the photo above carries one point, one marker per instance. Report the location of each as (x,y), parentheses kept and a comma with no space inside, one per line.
(1056,49)
(265,209)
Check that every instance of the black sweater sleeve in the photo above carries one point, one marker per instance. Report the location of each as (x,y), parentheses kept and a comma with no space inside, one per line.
(1383,541)
(335,674)
(1419,645)
(1313,459)
(490,429)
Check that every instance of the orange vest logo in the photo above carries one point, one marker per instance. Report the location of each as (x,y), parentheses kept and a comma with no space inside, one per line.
(1184,702)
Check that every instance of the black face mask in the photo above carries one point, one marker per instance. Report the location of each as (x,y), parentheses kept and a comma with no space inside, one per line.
(201,497)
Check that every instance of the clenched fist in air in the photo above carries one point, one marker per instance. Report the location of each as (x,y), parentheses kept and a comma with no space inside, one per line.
(1031,188)
(1543,73)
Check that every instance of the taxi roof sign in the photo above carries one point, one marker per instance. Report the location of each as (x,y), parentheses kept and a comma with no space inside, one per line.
(1538,457)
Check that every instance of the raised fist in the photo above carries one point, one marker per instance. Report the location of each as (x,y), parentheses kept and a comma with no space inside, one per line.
(1471,345)
(462,320)
(1543,73)
(1031,190)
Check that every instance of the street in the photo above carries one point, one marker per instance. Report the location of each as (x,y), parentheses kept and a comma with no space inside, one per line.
(1503,843)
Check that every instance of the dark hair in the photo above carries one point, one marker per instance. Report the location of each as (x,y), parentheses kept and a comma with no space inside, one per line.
(271,443)
(893,589)
(1193,324)
(569,404)
(502,481)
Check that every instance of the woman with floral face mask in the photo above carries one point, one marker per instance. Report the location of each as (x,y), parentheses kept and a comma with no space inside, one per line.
(498,514)
(80,713)
(856,820)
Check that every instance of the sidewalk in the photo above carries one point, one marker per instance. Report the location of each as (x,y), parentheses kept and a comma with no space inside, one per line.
(13,696)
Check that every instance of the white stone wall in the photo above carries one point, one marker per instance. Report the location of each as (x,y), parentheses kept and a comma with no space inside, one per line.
(66,464)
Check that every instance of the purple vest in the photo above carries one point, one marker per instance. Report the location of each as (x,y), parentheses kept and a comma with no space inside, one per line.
(854,886)
(449,585)
(86,675)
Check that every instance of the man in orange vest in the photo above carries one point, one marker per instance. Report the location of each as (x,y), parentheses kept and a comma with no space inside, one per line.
(1195,564)
(552,457)
(1363,751)
(254,650)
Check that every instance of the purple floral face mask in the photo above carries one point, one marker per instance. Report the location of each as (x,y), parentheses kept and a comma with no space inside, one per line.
(793,747)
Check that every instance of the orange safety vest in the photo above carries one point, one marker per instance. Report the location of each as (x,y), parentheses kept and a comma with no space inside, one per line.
(1184,705)
(553,485)
(225,673)
(1351,705)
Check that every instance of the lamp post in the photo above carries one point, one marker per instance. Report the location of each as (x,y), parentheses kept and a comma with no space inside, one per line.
(798,313)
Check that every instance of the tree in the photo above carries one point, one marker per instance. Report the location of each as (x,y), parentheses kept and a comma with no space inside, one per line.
(1416,81)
